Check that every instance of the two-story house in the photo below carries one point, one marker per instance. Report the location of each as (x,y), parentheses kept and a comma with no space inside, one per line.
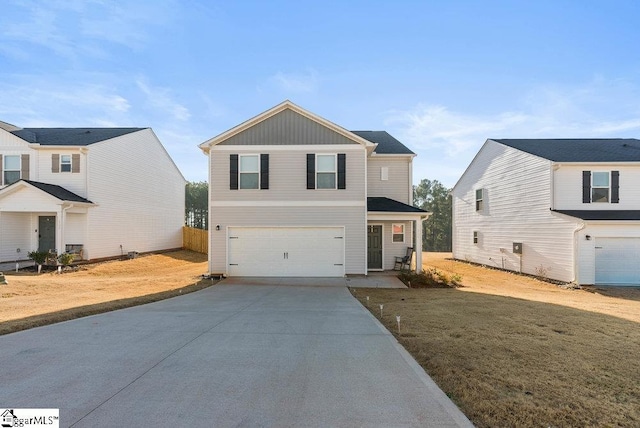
(100,192)
(292,194)
(566,209)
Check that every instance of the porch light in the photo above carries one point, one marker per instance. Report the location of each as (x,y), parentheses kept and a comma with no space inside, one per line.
(587,237)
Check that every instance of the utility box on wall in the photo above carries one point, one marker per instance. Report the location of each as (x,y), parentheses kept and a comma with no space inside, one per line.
(517,248)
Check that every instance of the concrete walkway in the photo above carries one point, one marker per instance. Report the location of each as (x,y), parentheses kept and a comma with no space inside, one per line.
(226,356)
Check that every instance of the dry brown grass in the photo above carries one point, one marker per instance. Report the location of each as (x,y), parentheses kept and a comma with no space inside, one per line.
(514,351)
(30,300)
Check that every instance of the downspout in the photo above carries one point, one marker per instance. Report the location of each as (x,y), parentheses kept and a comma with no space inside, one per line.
(581,226)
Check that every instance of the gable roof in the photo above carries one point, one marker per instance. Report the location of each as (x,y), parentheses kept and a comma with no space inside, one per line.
(580,149)
(54,190)
(277,109)
(382,204)
(602,214)
(70,136)
(387,145)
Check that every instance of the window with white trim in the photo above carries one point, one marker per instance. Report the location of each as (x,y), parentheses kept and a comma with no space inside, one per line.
(475,236)
(249,171)
(326,171)
(65,163)
(600,185)
(479,199)
(10,169)
(397,231)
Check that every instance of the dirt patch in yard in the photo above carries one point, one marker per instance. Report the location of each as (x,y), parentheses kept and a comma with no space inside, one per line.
(514,351)
(30,300)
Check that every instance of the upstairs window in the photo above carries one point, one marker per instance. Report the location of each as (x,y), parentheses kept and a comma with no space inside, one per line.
(397,230)
(479,199)
(384,173)
(600,187)
(65,163)
(11,169)
(326,171)
(249,171)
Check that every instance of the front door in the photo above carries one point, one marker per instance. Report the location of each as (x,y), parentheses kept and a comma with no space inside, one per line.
(374,247)
(46,233)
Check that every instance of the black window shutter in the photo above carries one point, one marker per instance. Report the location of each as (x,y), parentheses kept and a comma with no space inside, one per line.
(615,187)
(233,172)
(264,171)
(311,171)
(342,169)
(586,187)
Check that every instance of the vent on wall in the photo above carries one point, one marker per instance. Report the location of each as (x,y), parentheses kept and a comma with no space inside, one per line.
(517,248)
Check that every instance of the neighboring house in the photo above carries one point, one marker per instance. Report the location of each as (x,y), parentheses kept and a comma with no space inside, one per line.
(566,209)
(292,194)
(100,192)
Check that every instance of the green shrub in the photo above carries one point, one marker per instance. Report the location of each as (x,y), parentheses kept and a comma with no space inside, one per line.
(65,259)
(39,257)
(430,278)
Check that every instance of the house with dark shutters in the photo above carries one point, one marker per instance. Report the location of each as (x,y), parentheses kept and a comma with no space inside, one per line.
(566,209)
(293,194)
(95,192)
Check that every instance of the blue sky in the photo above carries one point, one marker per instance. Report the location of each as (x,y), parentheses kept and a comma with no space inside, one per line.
(441,76)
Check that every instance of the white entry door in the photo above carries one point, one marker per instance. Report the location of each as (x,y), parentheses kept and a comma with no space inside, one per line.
(618,261)
(285,251)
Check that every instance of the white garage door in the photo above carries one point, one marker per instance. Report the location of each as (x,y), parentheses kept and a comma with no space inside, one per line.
(618,261)
(285,251)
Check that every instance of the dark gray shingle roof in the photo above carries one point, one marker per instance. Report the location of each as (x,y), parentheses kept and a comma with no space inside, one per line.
(579,149)
(58,192)
(387,145)
(602,214)
(381,204)
(71,136)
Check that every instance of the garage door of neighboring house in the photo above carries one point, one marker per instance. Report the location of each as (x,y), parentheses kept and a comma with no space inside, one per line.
(286,251)
(618,261)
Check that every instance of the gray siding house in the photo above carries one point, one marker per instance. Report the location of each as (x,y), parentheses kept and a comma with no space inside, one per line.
(292,194)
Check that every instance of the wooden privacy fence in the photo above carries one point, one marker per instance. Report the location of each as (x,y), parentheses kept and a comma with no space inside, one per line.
(195,239)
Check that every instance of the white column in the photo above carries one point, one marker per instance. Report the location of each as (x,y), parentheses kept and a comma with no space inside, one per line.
(418,244)
(60,230)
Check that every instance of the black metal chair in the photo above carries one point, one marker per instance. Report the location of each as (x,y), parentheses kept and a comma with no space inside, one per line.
(403,261)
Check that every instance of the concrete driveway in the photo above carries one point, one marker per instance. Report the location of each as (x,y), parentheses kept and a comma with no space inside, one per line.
(231,355)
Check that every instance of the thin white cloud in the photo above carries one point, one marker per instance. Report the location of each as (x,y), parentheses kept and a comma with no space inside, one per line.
(446,140)
(297,82)
(161,99)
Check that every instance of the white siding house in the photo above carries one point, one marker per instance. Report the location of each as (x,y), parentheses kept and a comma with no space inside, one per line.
(564,209)
(289,196)
(104,191)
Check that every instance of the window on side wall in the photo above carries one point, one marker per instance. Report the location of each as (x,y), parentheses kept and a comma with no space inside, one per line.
(475,236)
(249,171)
(479,199)
(65,163)
(600,186)
(326,171)
(397,230)
(11,169)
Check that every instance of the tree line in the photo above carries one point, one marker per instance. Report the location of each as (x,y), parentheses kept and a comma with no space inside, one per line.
(429,195)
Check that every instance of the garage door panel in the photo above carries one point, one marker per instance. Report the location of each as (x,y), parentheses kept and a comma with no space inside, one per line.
(617,261)
(286,251)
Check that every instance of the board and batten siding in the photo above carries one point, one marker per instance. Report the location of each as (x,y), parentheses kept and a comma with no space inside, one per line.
(15,232)
(517,200)
(287,128)
(139,194)
(568,187)
(352,218)
(398,184)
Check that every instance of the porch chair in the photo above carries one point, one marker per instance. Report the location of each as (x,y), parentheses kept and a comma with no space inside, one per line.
(403,261)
